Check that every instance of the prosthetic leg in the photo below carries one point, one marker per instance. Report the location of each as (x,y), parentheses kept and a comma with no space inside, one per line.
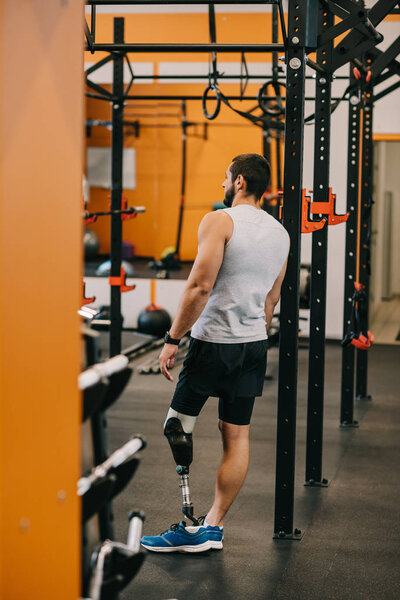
(181,445)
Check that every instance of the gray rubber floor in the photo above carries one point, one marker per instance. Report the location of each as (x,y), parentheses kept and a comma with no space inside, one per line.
(351,543)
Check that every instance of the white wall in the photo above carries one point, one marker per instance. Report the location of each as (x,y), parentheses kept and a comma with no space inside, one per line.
(167,296)
(392,184)
(386,179)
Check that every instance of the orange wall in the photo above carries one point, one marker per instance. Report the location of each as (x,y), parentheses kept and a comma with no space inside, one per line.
(158,150)
(41,141)
(159,155)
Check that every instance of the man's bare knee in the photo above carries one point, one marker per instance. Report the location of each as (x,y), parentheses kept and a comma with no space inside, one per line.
(231,432)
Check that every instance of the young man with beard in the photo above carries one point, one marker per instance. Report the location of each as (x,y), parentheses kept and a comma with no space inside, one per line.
(228,303)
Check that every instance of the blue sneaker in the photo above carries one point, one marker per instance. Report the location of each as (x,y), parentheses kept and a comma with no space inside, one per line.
(178,538)
(214,534)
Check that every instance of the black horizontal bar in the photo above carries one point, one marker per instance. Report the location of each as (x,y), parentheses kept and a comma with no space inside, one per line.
(128,211)
(97,97)
(238,76)
(177,97)
(102,123)
(206,48)
(188,2)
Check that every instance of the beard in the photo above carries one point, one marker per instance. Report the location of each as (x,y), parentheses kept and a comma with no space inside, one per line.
(229,196)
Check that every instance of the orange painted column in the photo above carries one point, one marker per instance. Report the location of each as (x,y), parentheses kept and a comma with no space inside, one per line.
(41,140)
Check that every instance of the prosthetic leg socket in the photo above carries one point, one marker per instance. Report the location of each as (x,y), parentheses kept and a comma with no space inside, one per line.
(182,449)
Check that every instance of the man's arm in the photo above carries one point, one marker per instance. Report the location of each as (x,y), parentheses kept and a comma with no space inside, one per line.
(273,296)
(215,229)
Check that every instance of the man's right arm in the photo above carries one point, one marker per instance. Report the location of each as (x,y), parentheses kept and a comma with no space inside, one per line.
(273,296)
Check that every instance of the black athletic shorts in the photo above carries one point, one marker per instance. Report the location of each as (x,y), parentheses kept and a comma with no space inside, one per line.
(234,373)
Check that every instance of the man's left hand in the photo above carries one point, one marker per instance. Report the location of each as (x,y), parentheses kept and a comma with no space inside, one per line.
(167,359)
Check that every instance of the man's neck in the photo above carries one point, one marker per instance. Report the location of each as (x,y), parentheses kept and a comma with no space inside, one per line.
(241,199)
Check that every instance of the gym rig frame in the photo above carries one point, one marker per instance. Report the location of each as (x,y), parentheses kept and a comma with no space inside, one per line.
(310,28)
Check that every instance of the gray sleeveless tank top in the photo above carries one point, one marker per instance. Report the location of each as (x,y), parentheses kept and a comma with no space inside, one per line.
(253,259)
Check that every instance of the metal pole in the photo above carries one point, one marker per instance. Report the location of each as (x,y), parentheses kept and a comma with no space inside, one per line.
(183,178)
(316,362)
(117,144)
(298,34)
(353,184)
(275,69)
(99,422)
(365,235)
(275,78)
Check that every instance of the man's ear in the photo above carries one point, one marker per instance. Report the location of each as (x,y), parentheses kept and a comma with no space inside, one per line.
(240,181)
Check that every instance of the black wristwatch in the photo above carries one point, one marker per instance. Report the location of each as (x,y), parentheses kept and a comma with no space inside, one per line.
(170,340)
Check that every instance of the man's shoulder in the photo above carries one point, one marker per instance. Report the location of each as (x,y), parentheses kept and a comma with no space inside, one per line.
(216,218)
(216,223)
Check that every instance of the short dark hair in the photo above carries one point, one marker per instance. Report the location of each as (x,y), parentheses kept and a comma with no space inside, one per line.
(255,170)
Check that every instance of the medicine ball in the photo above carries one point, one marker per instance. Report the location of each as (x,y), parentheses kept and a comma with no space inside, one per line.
(91,243)
(154,320)
(104,269)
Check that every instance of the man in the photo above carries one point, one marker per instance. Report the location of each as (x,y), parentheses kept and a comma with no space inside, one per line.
(228,303)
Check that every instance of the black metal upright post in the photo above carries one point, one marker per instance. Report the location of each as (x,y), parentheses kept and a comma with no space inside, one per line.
(275,79)
(183,179)
(116,188)
(99,422)
(354,153)
(316,363)
(266,140)
(302,33)
(365,235)
(272,207)
(275,25)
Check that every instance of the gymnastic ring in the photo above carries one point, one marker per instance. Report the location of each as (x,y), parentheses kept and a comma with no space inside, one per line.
(265,105)
(214,88)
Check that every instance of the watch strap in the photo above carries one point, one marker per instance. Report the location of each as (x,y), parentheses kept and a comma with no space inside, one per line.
(169,340)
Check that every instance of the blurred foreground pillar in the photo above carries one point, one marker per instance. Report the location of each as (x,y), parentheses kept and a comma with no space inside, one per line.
(41,141)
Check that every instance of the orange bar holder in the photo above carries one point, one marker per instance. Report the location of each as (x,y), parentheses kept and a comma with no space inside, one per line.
(121,282)
(85,300)
(328,209)
(125,216)
(124,206)
(308,226)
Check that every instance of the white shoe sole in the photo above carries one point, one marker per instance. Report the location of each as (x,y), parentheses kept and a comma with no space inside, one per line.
(199,548)
(217,545)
